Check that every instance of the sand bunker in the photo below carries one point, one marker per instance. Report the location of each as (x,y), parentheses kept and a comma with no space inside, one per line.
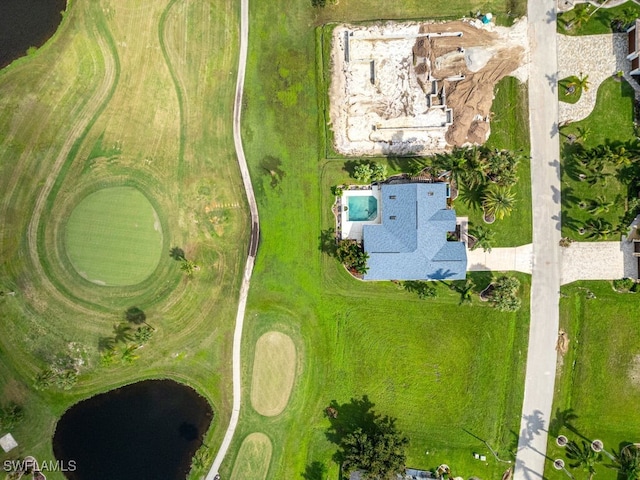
(253,458)
(419,88)
(274,370)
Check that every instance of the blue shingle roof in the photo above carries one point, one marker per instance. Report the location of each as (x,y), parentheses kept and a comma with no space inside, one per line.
(411,242)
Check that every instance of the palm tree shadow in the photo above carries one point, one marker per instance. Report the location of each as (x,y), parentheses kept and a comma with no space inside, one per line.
(472,197)
(327,242)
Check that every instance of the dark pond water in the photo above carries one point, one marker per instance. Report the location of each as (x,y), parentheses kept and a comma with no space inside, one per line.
(26,23)
(145,431)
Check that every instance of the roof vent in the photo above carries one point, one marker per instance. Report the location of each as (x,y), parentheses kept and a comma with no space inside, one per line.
(430,194)
(392,217)
(392,197)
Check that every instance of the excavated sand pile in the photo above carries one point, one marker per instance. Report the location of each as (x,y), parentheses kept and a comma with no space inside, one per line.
(410,88)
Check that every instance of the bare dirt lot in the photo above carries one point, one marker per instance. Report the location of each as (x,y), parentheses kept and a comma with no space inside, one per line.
(418,88)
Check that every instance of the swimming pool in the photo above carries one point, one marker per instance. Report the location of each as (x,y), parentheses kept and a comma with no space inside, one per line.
(362,209)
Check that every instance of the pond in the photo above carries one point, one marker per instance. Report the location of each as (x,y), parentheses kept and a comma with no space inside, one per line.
(25,24)
(147,430)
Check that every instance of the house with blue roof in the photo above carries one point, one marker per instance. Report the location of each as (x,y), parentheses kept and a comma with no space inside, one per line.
(411,241)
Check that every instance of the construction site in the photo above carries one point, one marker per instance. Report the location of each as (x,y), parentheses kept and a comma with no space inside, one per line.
(419,88)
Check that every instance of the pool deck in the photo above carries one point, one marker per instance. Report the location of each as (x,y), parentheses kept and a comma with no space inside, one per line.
(353,230)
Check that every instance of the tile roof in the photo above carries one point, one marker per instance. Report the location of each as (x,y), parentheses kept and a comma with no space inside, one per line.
(411,242)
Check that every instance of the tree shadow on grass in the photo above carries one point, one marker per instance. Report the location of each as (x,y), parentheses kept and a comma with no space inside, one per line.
(357,413)
(327,242)
(563,419)
(315,471)
(480,279)
(472,197)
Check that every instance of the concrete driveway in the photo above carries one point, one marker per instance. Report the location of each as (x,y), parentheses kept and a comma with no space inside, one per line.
(519,259)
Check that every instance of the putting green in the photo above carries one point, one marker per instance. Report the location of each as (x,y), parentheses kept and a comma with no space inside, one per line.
(114,237)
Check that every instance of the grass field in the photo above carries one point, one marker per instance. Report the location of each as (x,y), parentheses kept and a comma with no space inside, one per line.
(253,458)
(113,237)
(438,367)
(136,95)
(274,370)
(611,121)
(597,387)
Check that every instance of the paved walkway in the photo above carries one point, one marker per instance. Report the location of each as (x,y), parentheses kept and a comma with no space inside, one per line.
(600,57)
(519,259)
(545,283)
(253,242)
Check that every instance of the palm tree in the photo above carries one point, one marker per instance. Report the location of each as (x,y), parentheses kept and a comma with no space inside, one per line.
(627,462)
(121,332)
(452,164)
(188,267)
(600,205)
(583,456)
(477,167)
(484,237)
(584,133)
(598,228)
(582,15)
(465,290)
(129,354)
(583,82)
(498,201)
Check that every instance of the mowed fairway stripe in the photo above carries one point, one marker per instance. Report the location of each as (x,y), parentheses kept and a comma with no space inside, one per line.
(274,369)
(113,237)
(252,462)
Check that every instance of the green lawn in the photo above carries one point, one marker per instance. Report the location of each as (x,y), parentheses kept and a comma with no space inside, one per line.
(114,237)
(563,89)
(509,130)
(597,380)
(600,21)
(611,121)
(436,366)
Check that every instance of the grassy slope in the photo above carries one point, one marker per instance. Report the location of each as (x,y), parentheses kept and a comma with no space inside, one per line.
(611,121)
(123,95)
(594,380)
(434,365)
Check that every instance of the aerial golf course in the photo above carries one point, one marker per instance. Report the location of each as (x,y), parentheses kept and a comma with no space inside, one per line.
(116,147)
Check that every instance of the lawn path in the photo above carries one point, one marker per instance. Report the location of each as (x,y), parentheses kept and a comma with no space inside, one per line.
(253,241)
(84,119)
(545,283)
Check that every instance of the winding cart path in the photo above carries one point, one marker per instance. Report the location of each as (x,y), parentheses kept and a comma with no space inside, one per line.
(253,242)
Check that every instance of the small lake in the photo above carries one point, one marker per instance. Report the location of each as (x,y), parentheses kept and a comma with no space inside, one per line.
(27,23)
(145,431)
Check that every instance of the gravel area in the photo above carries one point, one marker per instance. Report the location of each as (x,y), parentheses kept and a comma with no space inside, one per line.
(600,57)
(598,261)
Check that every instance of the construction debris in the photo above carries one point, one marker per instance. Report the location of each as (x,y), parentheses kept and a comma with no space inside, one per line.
(419,88)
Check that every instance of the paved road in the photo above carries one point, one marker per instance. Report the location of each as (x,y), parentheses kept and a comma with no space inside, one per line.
(545,284)
(253,242)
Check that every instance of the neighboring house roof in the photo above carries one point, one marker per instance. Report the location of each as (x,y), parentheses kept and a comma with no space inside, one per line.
(411,242)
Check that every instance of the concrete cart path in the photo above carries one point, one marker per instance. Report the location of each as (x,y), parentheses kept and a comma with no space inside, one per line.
(545,283)
(253,242)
